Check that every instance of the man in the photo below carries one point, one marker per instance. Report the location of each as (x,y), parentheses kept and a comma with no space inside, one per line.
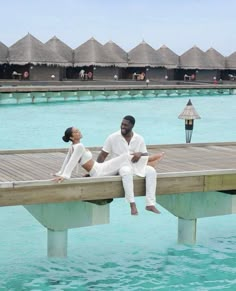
(127,141)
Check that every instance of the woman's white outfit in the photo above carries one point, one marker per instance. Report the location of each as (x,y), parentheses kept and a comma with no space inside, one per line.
(77,153)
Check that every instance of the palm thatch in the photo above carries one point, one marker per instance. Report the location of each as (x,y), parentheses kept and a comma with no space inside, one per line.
(30,50)
(3,53)
(195,58)
(117,54)
(217,60)
(59,47)
(231,61)
(91,53)
(167,58)
(143,55)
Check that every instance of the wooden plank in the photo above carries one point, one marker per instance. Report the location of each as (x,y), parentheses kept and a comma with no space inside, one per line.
(186,168)
(33,192)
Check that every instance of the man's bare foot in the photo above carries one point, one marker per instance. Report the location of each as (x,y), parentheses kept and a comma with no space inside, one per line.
(133,207)
(153,209)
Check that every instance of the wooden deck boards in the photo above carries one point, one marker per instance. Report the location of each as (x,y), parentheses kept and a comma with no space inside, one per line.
(25,175)
(178,158)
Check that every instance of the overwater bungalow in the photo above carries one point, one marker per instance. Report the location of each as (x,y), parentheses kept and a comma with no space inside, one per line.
(3,61)
(168,62)
(141,61)
(217,63)
(231,67)
(66,52)
(195,65)
(92,61)
(30,59)
(119,57)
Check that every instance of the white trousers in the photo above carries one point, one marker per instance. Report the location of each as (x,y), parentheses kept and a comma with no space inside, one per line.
(151,182)
(122,165)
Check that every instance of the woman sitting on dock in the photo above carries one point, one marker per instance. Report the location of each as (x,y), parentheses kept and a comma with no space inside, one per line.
(78,154)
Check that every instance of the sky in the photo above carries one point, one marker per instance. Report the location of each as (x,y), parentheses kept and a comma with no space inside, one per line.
(178,24)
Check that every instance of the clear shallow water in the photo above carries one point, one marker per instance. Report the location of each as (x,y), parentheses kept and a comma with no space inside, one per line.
(131,253)
(42,125)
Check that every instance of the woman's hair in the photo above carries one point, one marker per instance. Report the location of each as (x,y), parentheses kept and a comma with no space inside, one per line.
(67,134)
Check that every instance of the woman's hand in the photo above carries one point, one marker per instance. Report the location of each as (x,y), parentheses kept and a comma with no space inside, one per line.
(58,179)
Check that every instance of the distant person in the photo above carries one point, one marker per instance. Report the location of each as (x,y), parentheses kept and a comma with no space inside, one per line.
(81,74)
(193,77)
(90,75)
(126,141)
(26,75)
(134,76)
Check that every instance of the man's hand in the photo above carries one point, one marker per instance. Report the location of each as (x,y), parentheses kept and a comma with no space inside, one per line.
(136,157)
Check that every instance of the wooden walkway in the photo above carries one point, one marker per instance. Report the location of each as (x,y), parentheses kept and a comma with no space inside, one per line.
(25,175)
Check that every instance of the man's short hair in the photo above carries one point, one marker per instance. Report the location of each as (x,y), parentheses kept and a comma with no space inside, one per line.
(130,118)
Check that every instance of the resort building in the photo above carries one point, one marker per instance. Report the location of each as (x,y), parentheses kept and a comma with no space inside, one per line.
(30,59)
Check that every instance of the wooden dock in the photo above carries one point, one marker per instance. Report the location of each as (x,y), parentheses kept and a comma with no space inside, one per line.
(25,175)
(191,182)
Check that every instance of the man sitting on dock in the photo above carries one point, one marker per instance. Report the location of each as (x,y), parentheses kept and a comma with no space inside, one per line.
(127,141)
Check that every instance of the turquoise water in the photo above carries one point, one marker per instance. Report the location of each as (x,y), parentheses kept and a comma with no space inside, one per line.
(42,125)
(131,253)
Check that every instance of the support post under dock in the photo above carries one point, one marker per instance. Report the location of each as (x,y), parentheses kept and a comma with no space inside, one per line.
(57,243)
(59,217)
(187,229)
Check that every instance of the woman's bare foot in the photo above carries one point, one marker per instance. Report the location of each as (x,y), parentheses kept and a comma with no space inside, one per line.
(133,207)
(154,159)
(153,209)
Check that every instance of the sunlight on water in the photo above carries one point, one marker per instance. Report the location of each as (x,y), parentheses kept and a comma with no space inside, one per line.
(131,253)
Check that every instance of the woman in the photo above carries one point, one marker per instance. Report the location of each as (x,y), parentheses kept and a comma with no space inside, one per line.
(78,154)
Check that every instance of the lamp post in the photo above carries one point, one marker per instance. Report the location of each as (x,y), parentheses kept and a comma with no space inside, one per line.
(189,114)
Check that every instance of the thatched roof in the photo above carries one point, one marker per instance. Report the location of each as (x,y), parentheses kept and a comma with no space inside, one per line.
(194,58)
(217,59)
(30,50)
(117,54)
(91,53)
(143,55)
(59,47)
(3,53)
(231,61)
(167,58)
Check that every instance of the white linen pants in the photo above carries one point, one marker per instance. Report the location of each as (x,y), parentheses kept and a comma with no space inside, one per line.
(128,184)
(123,166)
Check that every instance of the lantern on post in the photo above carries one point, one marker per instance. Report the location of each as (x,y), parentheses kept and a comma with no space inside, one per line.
(189,114)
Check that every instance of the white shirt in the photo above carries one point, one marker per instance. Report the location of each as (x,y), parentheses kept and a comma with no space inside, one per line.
(116,144)
(76,154)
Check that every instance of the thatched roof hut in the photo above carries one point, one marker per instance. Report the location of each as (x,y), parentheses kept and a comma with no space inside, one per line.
(3,53)
(217,60)
(30,50)
(143,55)
(231,61)
(117,54)
(59,47)
(91,53)
(194,58)
(167,58)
